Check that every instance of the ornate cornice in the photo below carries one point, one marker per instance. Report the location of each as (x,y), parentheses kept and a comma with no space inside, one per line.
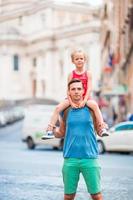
(10,10)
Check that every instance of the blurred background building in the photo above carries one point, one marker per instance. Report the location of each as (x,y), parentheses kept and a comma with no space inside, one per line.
(36,40)
(117,55)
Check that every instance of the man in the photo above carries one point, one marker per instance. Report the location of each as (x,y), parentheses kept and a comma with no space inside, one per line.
(80,147)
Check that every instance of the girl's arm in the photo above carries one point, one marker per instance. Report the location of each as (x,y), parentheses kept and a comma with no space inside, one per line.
(69,98)
(89,86)
(69,78)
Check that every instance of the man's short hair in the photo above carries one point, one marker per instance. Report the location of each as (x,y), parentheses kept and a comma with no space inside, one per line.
(74,80)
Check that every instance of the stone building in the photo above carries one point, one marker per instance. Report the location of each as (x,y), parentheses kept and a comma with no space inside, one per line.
(117,54)
(36,38)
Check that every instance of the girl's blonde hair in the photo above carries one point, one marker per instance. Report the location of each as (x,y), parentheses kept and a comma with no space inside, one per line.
(78,51)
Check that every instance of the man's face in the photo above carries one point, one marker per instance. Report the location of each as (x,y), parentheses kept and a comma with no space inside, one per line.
(76,91)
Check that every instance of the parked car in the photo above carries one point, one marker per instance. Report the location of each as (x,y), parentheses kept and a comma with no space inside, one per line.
(119,140)
(3,120)
(11,115)
(35,122)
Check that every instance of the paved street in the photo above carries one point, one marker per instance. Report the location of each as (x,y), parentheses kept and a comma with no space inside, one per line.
(36,175)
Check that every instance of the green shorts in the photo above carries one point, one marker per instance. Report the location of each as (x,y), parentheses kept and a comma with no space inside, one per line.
(90,170)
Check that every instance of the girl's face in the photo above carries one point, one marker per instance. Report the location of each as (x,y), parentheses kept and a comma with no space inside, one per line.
(79,59)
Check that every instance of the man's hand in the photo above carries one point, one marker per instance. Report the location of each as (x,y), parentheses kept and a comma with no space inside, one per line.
(60,131)
(50,127)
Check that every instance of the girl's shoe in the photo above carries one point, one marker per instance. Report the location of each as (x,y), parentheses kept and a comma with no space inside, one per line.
(104,132)
(48,135)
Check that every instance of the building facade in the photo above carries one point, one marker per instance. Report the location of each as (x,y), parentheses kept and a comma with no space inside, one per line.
(36,40)
(117,54)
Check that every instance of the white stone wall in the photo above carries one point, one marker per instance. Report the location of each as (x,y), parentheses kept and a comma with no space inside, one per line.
(49,39)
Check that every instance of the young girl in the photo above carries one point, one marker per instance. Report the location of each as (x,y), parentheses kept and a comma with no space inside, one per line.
(78,58)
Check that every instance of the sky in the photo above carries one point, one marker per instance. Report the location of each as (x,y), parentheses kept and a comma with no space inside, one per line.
(91,2)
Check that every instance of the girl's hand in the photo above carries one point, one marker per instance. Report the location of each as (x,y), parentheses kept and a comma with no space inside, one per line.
(73,105)
(82,104)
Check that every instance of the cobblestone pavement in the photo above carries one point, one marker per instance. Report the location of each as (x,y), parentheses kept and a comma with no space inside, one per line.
(37,188)
(36,175)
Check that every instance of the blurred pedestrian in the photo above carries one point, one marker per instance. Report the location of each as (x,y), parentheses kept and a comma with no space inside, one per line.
(80,146)
(115,115)
(131,117)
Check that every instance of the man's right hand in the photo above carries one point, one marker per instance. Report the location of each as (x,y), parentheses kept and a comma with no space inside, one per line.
(50,127)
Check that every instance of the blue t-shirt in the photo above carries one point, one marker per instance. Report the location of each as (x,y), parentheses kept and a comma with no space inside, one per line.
(80,139)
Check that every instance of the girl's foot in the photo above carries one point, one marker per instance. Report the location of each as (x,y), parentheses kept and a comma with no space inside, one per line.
(49,132)
(104,132)
(48,135)
(103,129)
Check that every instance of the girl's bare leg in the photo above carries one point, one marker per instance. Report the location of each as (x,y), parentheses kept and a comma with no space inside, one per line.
(60,107)
(100,124)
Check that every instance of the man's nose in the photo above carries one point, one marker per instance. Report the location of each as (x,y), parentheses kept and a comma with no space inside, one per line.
(76,90)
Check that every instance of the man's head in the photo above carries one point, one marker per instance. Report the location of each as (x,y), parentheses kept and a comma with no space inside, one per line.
(76,90)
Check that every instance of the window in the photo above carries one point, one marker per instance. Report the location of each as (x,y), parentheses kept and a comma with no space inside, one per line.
(124,127)
(121,128)
(34,62)
(130,127)
(16,62)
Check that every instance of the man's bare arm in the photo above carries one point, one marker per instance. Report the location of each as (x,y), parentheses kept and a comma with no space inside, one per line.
(60,132)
